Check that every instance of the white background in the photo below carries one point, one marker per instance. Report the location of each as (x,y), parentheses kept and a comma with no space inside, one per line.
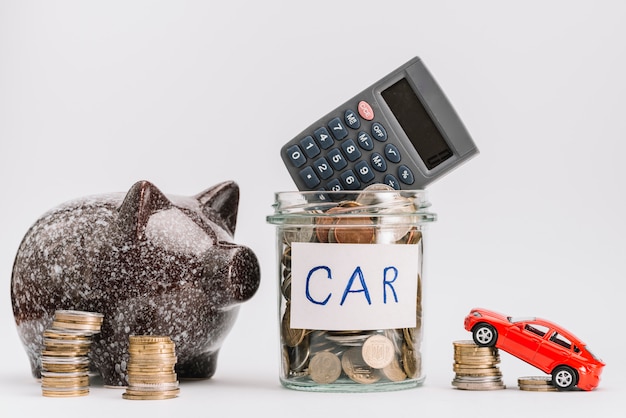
(97,95)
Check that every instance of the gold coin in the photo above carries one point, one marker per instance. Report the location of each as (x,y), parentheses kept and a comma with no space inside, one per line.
(65,393)
(135,379)
(285,288)
(378,351)
(151,357)
(409,337)
(411,362)
(356,369)
(536,384)
(149,339)
(65,335)
(61,382)
(79,316)
(60,325)
(478,385)
(325,367)
(477,372)
(291,336)
(139,395)
(394,371)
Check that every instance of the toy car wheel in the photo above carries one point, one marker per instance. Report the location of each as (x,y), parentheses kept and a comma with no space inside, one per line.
(564,378)
(484,335)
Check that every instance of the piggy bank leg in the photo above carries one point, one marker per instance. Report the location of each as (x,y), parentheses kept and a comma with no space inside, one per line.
(113,373)
(198,367)
(109,358)
(35,364)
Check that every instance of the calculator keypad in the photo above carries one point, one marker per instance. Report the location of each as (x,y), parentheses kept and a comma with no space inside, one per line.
(343,155)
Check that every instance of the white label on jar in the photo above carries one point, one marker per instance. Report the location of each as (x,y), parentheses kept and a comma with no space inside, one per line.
(353,286)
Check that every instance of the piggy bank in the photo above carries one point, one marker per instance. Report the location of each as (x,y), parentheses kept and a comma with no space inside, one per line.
(152,264)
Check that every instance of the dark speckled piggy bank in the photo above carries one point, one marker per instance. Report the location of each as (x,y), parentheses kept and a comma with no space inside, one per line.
(151,263)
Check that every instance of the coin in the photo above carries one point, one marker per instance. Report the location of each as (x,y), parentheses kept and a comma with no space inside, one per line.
(378,351)
(65,393)
(322,224)
(325,367)
(299,356)
(357,230)
(151,368)
(478,385)
(157,395)
(356,369)
(536,384)
(377,194)
(149,339)
(411,362)
(291,336)
(476,367)
(394,371)
(302,231)
(285,287)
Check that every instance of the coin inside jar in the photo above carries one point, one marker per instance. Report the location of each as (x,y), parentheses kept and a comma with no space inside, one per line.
(378,351)
(325,367)
(357,230)
(356,369)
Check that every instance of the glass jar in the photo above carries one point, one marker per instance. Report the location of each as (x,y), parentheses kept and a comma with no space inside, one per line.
(350,285)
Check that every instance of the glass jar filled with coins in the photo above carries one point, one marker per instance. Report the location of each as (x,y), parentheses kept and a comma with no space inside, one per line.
(350,285)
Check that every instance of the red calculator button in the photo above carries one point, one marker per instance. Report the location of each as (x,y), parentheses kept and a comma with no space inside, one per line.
(365,110)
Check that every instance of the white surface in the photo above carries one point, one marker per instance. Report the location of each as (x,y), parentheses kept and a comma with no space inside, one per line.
(97,95)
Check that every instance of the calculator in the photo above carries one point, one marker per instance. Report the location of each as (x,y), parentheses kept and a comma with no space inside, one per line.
(401,131)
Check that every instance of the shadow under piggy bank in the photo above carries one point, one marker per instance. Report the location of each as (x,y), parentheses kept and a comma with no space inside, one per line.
(152,264)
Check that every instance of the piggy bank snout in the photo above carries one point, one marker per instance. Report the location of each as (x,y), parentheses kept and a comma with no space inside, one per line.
(232,274)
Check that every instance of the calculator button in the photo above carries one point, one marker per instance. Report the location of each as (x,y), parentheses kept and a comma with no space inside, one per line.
(323,168)
(310,147)
(405,174)
(310,178)
(392,153)
(378,162)
(392,181)
(337,128)
(365,110)
(337,160)
(365,141)
(352,120)
(379,132)
(364,171)
(323,138)
(351,151)
(334,185)
(349,180)
(296,156)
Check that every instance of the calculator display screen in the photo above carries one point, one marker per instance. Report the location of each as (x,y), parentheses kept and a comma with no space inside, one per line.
(416,123)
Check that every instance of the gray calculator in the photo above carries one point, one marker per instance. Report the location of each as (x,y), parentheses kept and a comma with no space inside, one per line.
(401,131)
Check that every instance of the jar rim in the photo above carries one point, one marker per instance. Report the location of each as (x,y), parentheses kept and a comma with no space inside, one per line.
(402,204)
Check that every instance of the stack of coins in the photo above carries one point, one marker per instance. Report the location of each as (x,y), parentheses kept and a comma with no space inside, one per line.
(64,359)
(536,384)
(476,367)
(151,372)
(323,356)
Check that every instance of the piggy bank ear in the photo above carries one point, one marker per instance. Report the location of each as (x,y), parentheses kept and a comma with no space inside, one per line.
(142,200)
(221,201)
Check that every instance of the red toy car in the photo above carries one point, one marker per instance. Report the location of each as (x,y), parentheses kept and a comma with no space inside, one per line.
(540,343)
